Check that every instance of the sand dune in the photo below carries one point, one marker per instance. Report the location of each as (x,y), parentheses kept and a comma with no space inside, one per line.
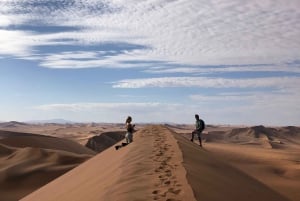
(105,140)
(79,132)
(158,165)
(267,137)
(29,161)
(12,124)
(5,134)
(17,139)
(276,168)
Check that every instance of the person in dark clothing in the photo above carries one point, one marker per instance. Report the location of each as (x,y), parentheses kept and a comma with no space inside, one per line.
(200,126)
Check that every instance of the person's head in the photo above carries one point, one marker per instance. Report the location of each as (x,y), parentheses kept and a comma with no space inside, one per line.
(129,119)
(196,116)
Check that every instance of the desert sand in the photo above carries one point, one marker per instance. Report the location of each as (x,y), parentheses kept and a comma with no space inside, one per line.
(51,162)
(163,165)
(29,161)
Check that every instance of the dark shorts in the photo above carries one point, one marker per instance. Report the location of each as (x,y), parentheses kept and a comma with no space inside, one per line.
(199,133)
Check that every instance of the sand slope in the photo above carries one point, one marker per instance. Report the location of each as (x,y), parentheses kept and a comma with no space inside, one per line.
(213,179)
(278,168)
(29,161)
(17,139)
(158,165)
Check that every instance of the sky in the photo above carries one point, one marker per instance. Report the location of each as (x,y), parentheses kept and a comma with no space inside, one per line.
(230,61)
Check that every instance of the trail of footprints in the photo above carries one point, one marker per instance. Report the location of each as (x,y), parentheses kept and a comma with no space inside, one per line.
(167,188)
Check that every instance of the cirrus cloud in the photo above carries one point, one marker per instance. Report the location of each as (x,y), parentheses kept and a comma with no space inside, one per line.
(205,32)
(205,82)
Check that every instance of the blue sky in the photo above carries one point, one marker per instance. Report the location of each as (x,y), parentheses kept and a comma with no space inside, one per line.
(230,61)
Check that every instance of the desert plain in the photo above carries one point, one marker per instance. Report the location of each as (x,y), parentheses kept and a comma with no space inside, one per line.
(78,161)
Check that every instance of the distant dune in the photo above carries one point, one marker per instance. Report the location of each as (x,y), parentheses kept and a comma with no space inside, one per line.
(158,165)
(29,161)
(267,137)
(268,154)
(17,139)
(11,124)
(105,140)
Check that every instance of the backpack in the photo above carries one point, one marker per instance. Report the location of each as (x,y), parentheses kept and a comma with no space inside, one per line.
(202,123)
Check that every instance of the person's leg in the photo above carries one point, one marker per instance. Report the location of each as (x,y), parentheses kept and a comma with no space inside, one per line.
(200,140)
(130,137)
(127,138)
(193,133)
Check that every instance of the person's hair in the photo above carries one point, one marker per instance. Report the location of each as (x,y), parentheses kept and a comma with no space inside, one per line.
(128,119)
(196,116)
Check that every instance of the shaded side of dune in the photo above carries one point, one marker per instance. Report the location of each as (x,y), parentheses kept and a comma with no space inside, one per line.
(213,179)
(29,161)
(23,170)
(5,134)
(105,140)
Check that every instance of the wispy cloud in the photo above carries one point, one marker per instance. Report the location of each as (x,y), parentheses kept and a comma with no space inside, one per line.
(113,112)
(214,32)
(246,108)
(91,59)
(205,82)
(99,106)
(221,69)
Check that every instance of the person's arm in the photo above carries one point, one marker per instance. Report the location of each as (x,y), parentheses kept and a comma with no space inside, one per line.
(198,125)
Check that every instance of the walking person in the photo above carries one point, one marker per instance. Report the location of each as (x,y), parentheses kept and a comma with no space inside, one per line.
(200,126)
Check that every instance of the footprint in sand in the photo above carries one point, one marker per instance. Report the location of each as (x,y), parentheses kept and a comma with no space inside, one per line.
(167,185)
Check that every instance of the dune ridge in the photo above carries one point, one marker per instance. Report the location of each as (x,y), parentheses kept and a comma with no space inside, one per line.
(158,165)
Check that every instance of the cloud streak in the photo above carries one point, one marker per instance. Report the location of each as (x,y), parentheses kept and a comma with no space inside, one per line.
(221,69)
(205,82)
(113,112)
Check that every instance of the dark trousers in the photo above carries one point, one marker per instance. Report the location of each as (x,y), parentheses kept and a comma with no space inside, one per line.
(199,136)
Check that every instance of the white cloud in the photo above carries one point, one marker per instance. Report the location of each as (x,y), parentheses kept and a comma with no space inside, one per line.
(205,70)
(92,59)
(277,82)
(15,42)
(183,31)
(4,21)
